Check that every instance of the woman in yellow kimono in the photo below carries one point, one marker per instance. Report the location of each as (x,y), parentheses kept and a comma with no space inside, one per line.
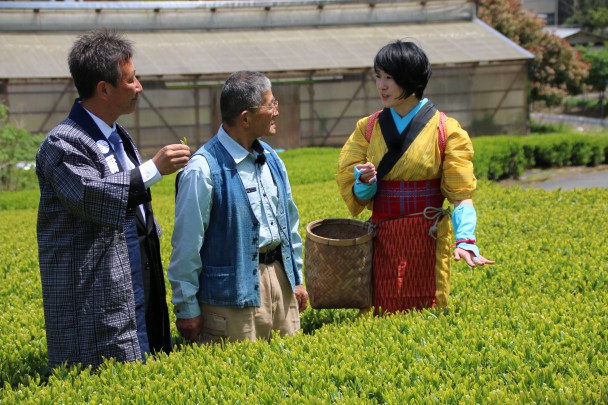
(401,163)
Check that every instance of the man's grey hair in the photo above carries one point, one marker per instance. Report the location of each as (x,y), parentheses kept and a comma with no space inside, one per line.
(241,91)
(97,56)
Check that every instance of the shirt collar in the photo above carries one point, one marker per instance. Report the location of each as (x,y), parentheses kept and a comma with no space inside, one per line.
(235,150)
(409,116)
(105,129)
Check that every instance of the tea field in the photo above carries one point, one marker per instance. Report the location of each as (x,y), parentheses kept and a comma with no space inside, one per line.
(531,329)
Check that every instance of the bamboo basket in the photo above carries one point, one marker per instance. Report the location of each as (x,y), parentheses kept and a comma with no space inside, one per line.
(338,263)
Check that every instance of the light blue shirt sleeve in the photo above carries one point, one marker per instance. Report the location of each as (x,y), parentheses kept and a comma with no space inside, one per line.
(464,219)
(192,212)
(364,191)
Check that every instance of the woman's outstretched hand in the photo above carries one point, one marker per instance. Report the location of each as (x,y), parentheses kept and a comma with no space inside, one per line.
(470,258)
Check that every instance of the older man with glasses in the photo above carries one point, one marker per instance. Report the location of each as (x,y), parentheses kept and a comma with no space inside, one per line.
(236,265)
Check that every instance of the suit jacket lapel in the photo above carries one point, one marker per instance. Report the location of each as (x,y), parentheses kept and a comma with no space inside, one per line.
(141,224)
(89,128)
(80,116)
(129,145)
(148,224)
(132,154)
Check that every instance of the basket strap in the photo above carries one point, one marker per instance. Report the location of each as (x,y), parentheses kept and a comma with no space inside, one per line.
(442,139)
(370,125)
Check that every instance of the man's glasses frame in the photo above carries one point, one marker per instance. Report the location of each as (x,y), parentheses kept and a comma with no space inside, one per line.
(274,105)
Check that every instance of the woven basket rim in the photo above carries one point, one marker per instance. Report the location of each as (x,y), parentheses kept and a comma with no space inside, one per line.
(339,242)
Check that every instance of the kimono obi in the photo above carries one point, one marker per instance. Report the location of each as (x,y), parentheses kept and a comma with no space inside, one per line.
(402,198)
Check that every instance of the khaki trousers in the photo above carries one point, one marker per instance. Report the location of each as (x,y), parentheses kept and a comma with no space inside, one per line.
(278,311)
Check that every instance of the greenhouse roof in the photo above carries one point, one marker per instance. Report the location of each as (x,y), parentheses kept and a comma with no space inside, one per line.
(217,53)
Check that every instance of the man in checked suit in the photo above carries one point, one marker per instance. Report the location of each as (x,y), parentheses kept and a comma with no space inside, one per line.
(102,279)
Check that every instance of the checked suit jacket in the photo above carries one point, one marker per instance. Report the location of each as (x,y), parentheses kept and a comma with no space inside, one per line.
(88,298)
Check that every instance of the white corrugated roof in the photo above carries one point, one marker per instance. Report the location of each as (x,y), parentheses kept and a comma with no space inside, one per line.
(186,53)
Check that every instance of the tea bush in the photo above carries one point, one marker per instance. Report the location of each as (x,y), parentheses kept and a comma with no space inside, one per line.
(531,329)
(499,157)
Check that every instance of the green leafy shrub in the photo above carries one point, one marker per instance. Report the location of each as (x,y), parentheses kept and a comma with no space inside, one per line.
(17,155)
(531,329)
(498,157)
(582,154)
(599,152)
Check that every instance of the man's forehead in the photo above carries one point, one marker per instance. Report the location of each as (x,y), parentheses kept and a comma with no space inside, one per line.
(267,95)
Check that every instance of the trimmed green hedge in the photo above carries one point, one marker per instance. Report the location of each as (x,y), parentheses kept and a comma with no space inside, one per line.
(533,328)
(499,157)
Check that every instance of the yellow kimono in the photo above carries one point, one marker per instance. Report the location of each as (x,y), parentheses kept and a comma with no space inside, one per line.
(421,161)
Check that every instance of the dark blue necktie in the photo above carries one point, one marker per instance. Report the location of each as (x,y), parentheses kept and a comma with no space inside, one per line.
(124,161)
(120,151)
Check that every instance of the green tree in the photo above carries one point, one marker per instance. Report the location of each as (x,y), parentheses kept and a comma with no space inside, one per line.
(557,69)
(17,152)
(598,71)
(591,15)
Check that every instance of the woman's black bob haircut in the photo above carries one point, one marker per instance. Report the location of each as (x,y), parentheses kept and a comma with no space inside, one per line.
(407,64)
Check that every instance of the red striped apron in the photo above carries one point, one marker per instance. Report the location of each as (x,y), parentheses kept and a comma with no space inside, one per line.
(404,253)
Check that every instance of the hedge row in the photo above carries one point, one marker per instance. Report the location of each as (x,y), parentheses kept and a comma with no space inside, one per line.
(499,157)
(496,158)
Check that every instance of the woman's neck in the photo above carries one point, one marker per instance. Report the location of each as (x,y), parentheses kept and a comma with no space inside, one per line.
(406,106)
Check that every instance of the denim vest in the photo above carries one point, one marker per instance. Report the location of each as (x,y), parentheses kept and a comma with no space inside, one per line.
(229,254)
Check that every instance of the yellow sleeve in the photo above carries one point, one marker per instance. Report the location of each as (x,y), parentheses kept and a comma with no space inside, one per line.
(353,153)
(458,181)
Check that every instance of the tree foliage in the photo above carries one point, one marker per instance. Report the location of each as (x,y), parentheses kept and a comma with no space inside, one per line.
(557,69)
(598,71)
(17,154)
(591,15)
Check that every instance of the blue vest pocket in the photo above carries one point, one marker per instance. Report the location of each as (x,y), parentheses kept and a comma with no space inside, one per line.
(218,285)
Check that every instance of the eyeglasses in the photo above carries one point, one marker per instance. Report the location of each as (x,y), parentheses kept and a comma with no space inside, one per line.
(274,105)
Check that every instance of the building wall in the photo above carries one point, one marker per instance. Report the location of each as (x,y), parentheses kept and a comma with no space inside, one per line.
(546,9)
(314,110)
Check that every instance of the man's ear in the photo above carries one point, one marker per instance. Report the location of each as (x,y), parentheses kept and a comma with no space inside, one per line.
(102,89)
(244,117)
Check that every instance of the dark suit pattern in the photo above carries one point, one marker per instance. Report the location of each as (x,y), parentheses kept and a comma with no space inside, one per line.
(84,263)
